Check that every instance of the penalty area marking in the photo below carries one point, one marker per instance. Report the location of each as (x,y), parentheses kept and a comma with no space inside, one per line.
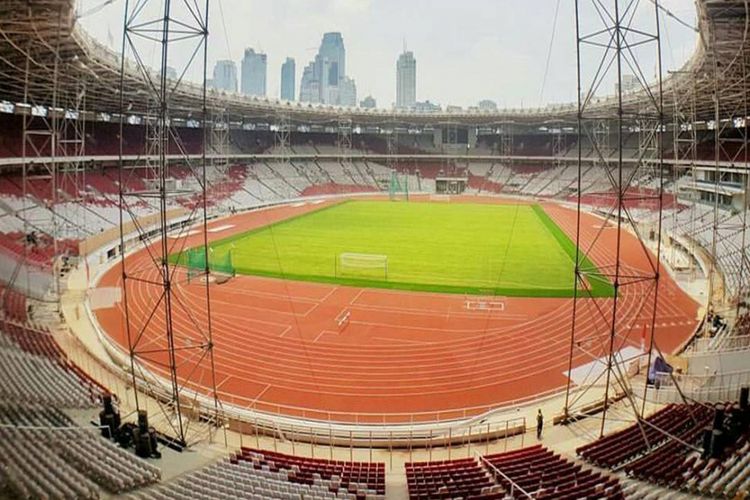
(485,305)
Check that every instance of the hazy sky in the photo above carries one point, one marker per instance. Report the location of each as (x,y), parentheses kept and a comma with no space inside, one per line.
(466,50)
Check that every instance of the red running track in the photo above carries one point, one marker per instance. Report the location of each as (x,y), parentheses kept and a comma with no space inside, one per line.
(403,355)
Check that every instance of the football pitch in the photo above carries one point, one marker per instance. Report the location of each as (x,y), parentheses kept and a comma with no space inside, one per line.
(492,249)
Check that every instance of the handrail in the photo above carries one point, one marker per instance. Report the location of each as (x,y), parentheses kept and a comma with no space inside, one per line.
(513,485)
(684,378)
(731,343)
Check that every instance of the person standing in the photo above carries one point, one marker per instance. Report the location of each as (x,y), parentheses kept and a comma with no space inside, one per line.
(539,424)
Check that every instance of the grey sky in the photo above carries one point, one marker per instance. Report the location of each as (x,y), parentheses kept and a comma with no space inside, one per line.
(466,50)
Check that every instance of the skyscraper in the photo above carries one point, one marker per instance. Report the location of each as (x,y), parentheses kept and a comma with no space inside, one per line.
(254,67)
(406,80)
(225,76)
(287,79)
(347,92)
(309,87)
(324,79)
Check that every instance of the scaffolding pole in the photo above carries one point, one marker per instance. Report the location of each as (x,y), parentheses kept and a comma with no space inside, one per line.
(608,43)
(171,361)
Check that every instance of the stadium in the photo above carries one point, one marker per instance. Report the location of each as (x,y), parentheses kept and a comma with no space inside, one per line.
(210,295)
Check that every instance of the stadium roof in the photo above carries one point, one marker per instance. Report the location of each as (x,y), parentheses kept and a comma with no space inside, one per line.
(47,32)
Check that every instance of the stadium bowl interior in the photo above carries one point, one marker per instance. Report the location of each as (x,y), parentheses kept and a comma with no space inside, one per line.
(209,295)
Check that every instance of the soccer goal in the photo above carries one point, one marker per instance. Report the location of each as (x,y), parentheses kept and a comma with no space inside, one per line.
(398,188)
(220,267)
(362,265)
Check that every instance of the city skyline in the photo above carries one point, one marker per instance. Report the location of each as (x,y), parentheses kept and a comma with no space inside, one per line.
(465,54)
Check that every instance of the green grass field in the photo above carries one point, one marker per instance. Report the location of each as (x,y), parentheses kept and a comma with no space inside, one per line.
(514,250)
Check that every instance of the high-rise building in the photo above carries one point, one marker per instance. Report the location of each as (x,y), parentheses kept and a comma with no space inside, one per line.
(254,66)
(324,79)
(368,102)
(309,87)
(287,79)
(225,76)
(348,92)
(406,80)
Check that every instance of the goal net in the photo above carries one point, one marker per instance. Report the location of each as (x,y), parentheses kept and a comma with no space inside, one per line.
(398,187)
(362,266)
(219,263)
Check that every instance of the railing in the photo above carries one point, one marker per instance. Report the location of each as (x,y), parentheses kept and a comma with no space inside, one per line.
(709,388)
(726,344)
(514,487)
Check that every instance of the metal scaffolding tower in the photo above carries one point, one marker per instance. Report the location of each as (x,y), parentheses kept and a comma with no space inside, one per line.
(505,141)
(727,291)
(53,174)
(281,137)
(559,145)
(218,144)
(684,152)
(610,39)
(172,361)
(344,142)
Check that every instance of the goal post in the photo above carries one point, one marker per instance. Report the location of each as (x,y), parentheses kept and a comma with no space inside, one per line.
(194,259)
(398,188)
(361,266)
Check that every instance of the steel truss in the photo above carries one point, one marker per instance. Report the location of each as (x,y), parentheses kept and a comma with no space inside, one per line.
(505,140)
(344,143)
(53,209)
(391,148)
(685,153)
(281,137)
(283,148)
(169,338)
(218,143)
(614,37)
(504,151)
(559,145)
(730,128)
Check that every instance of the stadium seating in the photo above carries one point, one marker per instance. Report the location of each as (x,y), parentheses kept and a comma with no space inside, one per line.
(12,304)
(448,479)
(536,470)
(547,475)
(669,462)
(614,449)
(33,369)
(350,476)
(265,474)
(45,455)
